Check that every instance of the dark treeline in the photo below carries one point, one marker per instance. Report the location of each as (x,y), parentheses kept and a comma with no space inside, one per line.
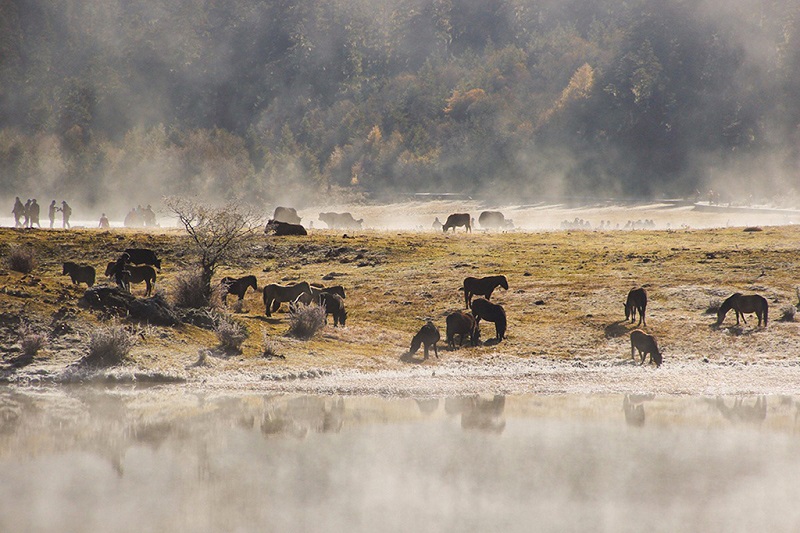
(514,98)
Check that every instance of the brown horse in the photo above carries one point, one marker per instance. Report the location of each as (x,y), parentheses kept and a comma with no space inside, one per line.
(482,287)
(139,274)
(463,324)
(645,344)
(636,302)
(751,303)
(274,294)
(79,273)
(427,336)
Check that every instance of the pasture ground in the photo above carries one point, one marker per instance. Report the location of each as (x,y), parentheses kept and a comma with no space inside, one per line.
(566,329)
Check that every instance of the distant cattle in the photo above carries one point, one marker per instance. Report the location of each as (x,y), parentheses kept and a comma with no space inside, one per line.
(456,220)
(284,228)
(494,220)
(143,256)
(341,220)
(286,214)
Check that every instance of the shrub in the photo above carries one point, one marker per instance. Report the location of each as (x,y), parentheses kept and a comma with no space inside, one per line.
(787,313)
(231,334)
(713,306)
(190,291)
(31,341)
(109,345)
(270,350)
(21,259)
(306,320)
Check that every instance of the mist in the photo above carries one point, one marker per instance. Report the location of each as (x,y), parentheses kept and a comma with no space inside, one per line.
(114,104)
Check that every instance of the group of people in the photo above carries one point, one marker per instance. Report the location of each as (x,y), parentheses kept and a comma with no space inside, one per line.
(27,214)
(140,216)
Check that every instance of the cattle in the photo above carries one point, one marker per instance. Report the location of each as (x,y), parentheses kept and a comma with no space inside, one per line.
(286,214)
(281,229)
(143,256)
(494,220)
(456,220)
(340,220)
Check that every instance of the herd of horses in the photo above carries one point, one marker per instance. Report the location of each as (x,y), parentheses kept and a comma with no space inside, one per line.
(134,265)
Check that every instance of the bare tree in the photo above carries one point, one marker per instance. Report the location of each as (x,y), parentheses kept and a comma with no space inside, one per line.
(219,234)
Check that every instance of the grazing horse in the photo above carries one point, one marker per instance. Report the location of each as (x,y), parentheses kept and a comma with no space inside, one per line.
(751,303)
(645,344)
(334,305)
(237,286)
(486,310)
(463,324)
(274,294)
(482,287)
(456,220)
(427,336)
(139,274)
(637,301)
(79,273)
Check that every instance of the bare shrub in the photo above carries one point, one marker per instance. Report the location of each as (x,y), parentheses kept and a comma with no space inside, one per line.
(231,334)
(21,259)
(787,313)
(109,345)
(238,306)
(190,291)
(270,347)
(713,306)
(31,341)
(306,320)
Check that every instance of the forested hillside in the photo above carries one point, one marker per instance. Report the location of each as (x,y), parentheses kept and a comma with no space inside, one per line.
(508,99)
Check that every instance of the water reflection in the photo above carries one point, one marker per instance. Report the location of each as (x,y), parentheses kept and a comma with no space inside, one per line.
(171,459)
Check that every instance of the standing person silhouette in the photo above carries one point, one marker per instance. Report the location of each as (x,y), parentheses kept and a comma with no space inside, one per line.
(51,212)
(66,212)
(27,213)
(33,211)
(104,222)
(18,211)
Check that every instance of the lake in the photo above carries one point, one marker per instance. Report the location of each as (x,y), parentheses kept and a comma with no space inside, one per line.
(174,459)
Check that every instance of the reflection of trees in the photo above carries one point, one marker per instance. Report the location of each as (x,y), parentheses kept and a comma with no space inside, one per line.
(633,407)
(479,413)
(741,412)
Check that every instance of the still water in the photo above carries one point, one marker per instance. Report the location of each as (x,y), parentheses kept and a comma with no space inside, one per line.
(169,459)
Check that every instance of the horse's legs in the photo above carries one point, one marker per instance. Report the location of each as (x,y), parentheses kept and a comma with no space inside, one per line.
(149,287)
(435,351)
(268,304)
(425,348)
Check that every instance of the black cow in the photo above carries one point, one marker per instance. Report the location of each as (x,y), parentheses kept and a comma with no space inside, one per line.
(341,220)
(286,214)
(284,228)
(143,256)
(494,220)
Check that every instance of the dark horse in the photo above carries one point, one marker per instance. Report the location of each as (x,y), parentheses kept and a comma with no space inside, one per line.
(482,287)
(462,324)
(636,302)
(274,294)
(237,286)
(486,310)
(455,220)
(427,336)
(751,303)
(79,273)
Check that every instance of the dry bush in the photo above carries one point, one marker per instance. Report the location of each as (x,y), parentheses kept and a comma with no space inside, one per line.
(713,306)
(231,334)
(190,292)
(109,345)
(31,341)
(787,313)
(270,347)
(306,320)
(21,259)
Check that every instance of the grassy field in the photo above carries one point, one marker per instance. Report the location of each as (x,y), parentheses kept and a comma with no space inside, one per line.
(564,302)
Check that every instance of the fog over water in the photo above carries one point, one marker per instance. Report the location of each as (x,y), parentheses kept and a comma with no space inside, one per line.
(173,460)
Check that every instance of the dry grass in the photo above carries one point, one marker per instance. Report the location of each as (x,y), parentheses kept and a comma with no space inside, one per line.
(565,297)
